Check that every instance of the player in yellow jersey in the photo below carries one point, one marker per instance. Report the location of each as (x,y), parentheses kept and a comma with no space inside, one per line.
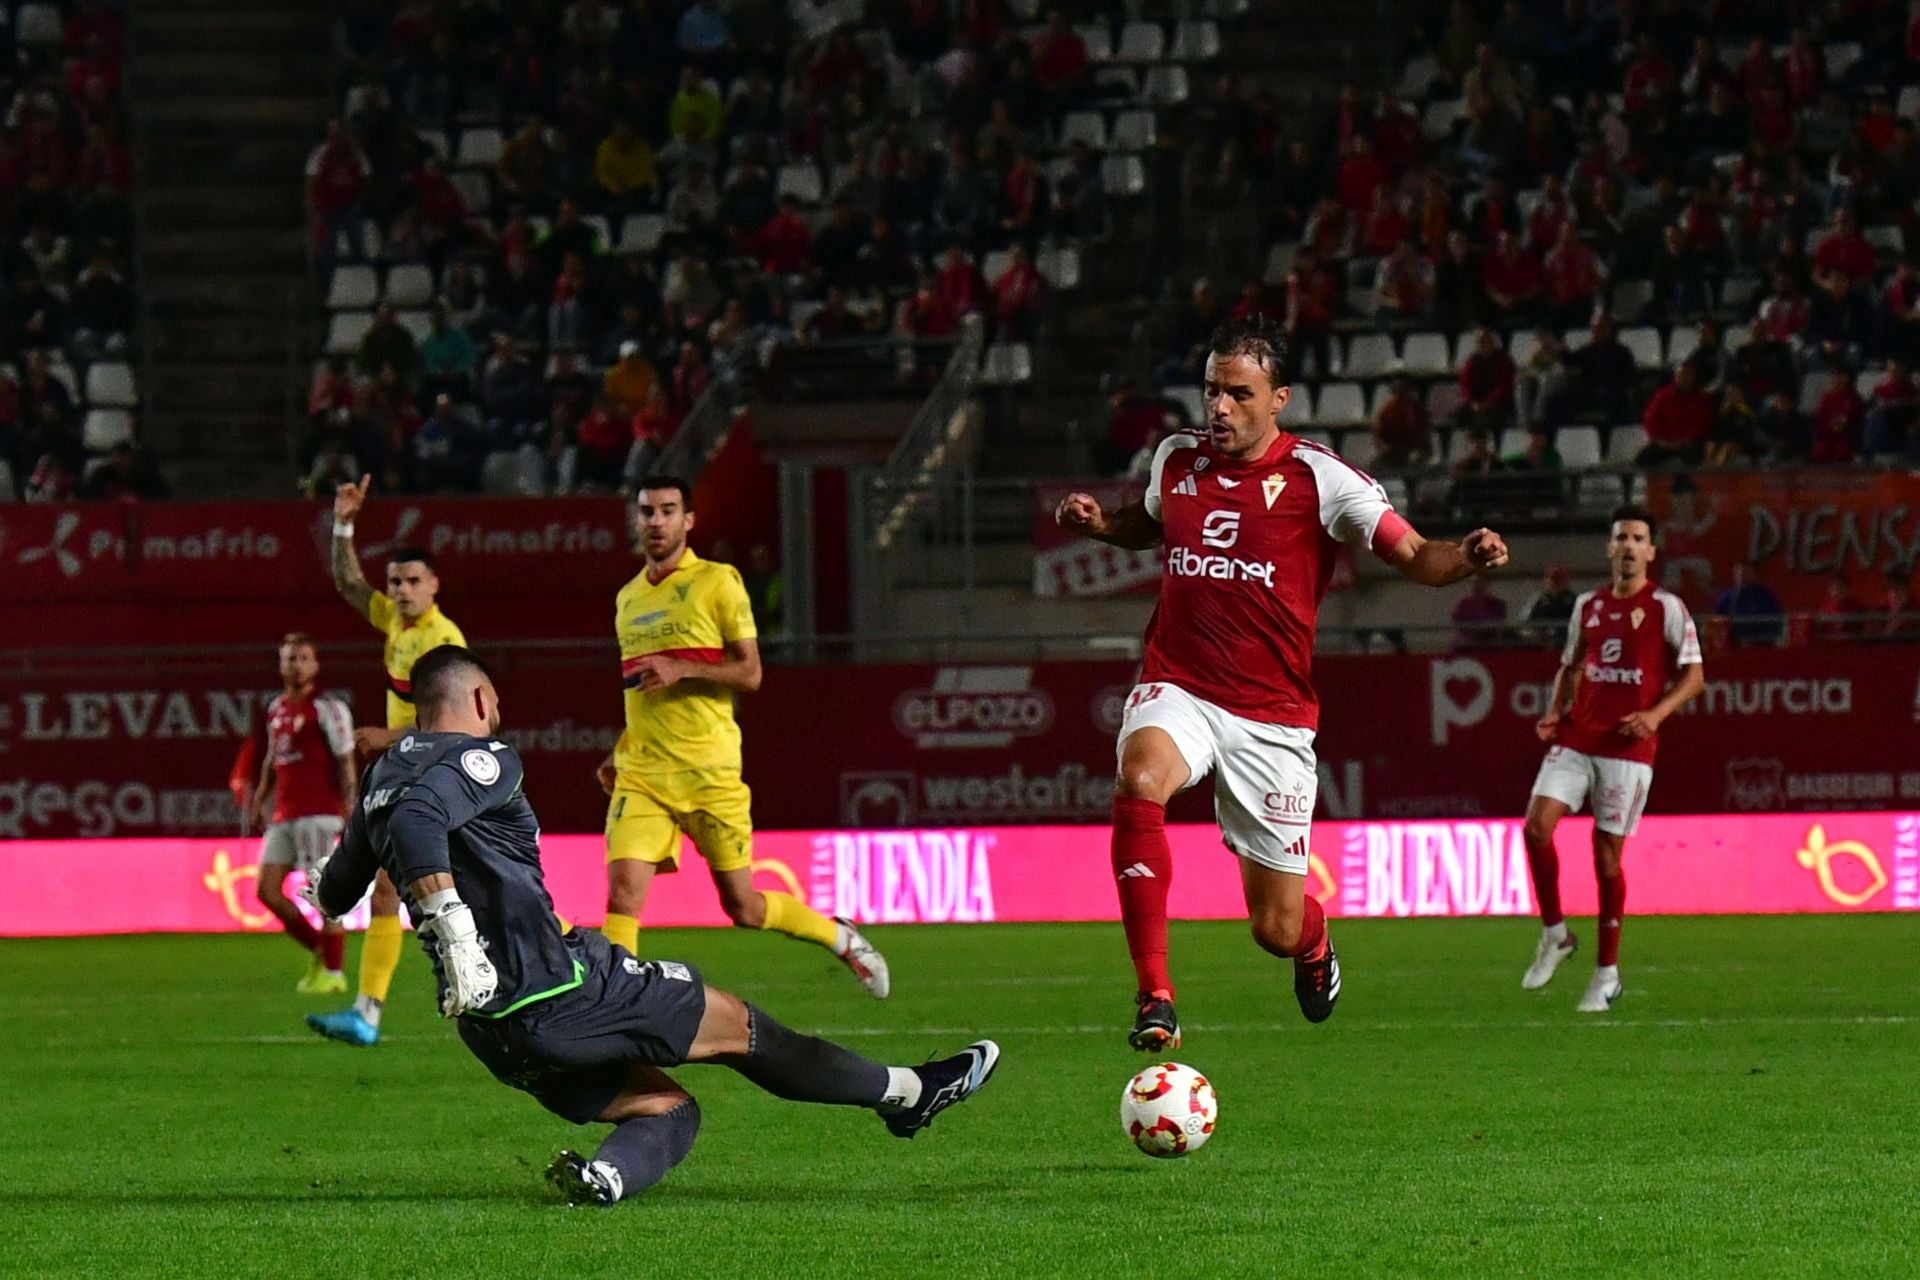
(406,614)
(687,645)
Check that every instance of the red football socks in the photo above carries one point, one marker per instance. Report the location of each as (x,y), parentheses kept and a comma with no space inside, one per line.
(1313,932)
(333,950)
(1544,862)
(1143,870)
(1613,906)
(303,933)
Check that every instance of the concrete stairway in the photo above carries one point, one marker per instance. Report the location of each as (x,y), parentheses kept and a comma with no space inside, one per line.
(229,96)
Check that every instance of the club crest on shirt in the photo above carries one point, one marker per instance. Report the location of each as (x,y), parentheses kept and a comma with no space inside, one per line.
(1271,487)
(1637,617)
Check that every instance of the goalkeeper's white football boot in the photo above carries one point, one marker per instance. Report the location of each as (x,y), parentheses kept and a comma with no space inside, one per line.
(1602,991)
(1546,958)
(864,959)
(583,1181)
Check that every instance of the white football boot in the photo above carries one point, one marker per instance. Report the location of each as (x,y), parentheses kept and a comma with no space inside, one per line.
(1602,991)
(1547,958)
(864,959)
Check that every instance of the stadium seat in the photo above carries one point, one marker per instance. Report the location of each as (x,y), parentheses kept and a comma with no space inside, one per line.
(1370,355)
(1124,80)
(478,149)
(1840,58)
(345,330)
(1814,386)
(1196,40)
(1868,383)
(1141,42)
(1513,440)
(1426,354)
(1443,401)
(1684,342)
(995,264)
(7,486)
(1357,446)
(1644,342)
(417,323)
(1279,262)
(1908,106)
(1599,492)
(437,142)
(1579,447)
(1007,364)
(1299,408)
(1887,241)
(106,428)
(343,249)
(38,24)
(642,232)
(1631,298)
(409,285)
(1440,118)
(1089,127)
(352,288)
(1576,338)
(1456,448)
(1398,495)
(1190,403)
(801,181)
(1418,77)
(1133,131)
(1123,175)
(475,187)
(1322,438)
(1224,9)
(1340,404)
(1060,267)
(110,385)
(1099,40)
(1166,85)
(62,373)
(1624,444)
(1739,291)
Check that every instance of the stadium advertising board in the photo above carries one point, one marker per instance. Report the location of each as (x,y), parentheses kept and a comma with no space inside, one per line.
(111,749)
(1798,528)
(1066,564)
(1735,864)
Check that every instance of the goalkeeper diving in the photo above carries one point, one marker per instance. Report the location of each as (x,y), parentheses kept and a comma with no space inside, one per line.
(578,1022)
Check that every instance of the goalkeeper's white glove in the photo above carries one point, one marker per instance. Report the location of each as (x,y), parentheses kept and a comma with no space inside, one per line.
(311,889)
(471,977)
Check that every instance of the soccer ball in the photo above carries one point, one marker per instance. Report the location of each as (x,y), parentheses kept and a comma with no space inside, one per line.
(1168,1110)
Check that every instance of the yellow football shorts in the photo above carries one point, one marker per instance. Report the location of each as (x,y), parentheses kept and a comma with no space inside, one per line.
(648,815)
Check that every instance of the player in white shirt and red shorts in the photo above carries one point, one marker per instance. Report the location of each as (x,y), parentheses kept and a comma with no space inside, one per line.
(309,770)
(1632,659)
(1252,517)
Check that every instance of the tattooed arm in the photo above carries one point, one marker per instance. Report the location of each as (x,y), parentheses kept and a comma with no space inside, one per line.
(347,577)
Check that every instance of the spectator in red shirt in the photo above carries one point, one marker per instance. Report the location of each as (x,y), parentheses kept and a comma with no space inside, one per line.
(1802,68)
(1024,199)
(1553,213)
(1060,60)
(1845,251)
(1837,421)
(1253,301)
(785,244)
(1136,422)
(1360,174)
(1486,386)
(1402,432)
(336,177)
(1403,285)
(1570,280)
(926,315)
(605,435)
(1018,294)
(1310,302)
(961,288)
(1879,127)
(1889,421)
(1785,311)
(1679,420)
(1511,277)
(1397,136)
(1650,80)
(1385,225)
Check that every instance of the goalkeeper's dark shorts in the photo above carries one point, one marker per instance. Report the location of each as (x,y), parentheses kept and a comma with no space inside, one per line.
(572,1052)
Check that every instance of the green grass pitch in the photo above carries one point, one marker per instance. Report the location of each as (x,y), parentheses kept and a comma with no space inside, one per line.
(1750,1108)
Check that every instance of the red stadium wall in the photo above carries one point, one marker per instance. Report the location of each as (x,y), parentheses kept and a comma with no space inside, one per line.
(110,747)
(1681,866)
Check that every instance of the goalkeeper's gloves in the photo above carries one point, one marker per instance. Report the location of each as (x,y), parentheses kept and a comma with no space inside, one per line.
(311,889)
(471,977)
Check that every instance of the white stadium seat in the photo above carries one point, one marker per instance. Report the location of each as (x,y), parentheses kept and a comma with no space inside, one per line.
(1370,355)
(479,148)
(1644,342)
(1122,175)
(38,24)
(106,428)
(1624,444)
(1133,131)
(110,385)
(1684,342)
(1007,364)
(1523,346)
(801,181)
(409,285)
(352,289)
(642,232)
(1060,267)
(1299,410)
(995,264)
(1427,354)
(1196,41)
(1089,127)
(1440,118)
(1339,404)
(1166,86)
(1098,39)
(1579,447)
(1443,401)
(417,323)
(1142,42)
(345,331)
(1192,404)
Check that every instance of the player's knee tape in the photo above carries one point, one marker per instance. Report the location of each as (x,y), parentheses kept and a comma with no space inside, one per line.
(803,1068)
(643,1149)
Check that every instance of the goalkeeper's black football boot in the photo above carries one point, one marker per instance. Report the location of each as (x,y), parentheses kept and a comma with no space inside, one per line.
(943,1083)
(1316,984)
(1155,1027)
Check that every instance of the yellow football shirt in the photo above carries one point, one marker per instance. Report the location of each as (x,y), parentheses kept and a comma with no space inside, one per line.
(692,613)
(406,643)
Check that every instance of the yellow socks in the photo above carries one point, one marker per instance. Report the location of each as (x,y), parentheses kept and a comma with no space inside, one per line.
(787,914)
(622,930)
(379,957)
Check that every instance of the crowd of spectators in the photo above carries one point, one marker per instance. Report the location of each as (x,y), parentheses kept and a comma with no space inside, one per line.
(1688,218)
(65,231)
(585,211)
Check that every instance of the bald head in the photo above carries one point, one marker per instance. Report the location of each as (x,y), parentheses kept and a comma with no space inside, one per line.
(453,692)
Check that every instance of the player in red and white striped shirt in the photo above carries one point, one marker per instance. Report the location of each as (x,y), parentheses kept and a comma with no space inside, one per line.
(309,771)
(1632,659)
(1252,517)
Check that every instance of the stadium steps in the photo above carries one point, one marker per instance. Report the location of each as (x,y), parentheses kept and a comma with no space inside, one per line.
(230,96)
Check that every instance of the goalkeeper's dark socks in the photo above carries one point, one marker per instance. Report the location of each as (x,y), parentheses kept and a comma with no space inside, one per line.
(643,1149)
(804,1068)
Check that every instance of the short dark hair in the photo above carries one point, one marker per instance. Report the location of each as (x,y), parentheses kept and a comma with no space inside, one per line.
(298,640)
(412,555)
(667,482)
(1259,339)
(1634,511)
(444,673)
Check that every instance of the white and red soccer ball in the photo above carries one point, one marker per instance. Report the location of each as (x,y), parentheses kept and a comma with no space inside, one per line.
(1168,1110)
